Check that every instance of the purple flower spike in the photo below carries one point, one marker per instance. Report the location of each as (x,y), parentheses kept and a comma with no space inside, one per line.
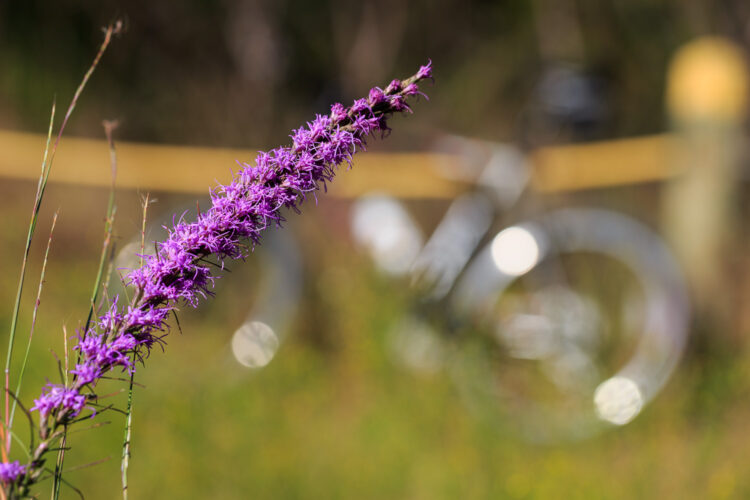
(180,272)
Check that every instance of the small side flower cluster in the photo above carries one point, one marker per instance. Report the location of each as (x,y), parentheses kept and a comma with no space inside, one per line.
(179,272)
(11,471)
(57,396)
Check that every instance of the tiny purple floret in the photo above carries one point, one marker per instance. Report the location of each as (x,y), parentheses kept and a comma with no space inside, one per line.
(10,471)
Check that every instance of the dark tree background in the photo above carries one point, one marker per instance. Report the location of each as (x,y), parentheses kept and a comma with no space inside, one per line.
(242,73)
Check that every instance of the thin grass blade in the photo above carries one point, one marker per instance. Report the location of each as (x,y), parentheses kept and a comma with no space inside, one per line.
(111,30)
(43,177)
(33,323)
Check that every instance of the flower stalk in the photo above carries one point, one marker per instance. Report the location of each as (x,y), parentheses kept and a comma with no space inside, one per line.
(180,273)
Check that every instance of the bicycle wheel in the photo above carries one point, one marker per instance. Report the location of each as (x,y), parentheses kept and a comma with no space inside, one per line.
(584,315)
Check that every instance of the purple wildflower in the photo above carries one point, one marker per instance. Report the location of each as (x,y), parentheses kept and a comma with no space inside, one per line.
(376,96)
(10,471)
(392,87)
(359,106)
(57,396)
(87,373)
(338,112)
(179,273)
(425,71)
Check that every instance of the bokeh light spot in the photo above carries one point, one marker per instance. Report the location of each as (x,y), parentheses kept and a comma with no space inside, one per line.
(515,251)
(618,400)
(254,344)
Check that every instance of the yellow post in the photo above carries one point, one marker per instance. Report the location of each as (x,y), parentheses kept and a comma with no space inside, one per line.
(707,99)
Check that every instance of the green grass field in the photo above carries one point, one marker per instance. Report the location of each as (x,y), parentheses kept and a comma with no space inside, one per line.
(333,416)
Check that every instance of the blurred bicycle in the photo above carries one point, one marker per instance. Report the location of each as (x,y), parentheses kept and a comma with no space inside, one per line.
(565,322)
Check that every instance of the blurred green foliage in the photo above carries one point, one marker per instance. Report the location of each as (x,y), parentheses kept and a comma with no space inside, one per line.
(243,73)
(333,416)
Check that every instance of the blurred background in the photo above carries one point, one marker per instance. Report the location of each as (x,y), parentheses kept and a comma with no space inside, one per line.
(544,297)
